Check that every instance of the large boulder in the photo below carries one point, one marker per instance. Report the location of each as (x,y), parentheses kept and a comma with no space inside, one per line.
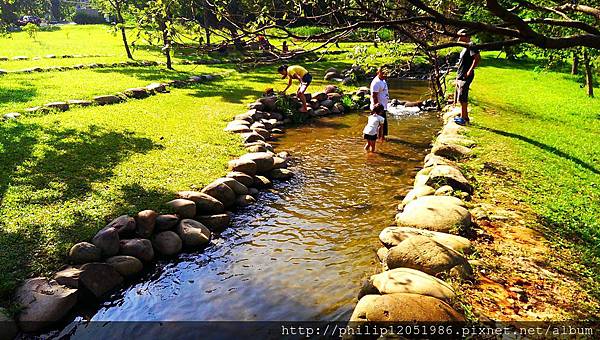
(261,182)
(455,139)
(166,222)
(222,192)
(126,265)
(124,224)
(407,280)
(205,204)
(416,192)
(403,307)
(331,75)
(139,248)
(280,174)
(43,302)
(245,200)
(320,96)
(84,252)
(107,240)
(246,166)
(193,233)
(167,243)
(215,222)
(184,208)
(451,151)
(392,236)
(241,177)
(279,163)
(269,103)
(99,278)
(264,160)
(437,213)
(107,100)
(137,92)
(446,175)
(145,222)
(237,128)
(424,254)
(237,187)
(433,160)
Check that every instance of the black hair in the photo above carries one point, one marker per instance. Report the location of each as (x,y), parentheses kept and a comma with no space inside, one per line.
(378,108)
(282,68)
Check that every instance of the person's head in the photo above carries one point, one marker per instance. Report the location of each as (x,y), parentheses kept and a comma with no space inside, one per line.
(381,73)
(378,109)
(464,36)
(283,71)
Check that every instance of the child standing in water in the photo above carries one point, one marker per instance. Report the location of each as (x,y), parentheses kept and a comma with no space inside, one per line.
(374,127)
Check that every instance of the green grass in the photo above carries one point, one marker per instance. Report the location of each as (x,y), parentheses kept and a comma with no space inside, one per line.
(544,126)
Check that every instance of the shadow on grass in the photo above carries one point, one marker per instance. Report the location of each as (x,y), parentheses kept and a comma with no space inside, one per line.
(544,147)
(50,166)
(147,73)
(20,95)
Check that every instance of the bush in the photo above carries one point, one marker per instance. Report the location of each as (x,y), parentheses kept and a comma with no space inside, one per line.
(307,30)
(84,18)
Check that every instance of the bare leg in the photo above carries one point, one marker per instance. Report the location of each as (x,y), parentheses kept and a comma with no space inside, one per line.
(373,145)
(303,99)
(366,146)
(465,112)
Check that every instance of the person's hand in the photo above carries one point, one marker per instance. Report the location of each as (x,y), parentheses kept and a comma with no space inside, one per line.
(469,73)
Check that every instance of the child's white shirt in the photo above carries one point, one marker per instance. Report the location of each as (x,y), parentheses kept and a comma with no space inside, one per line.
(373,123)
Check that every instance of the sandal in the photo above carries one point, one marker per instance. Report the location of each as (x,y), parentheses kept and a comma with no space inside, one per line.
(460,121)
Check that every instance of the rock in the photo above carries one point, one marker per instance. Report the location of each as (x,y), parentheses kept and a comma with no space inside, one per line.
(403,307)
(265,134)
(284,155)
(252,137)
(20,57)
(237,187)
(455,139)
(328,103)
(222,192)
(279,163)
(276,131)
(433,160)
(446,175)
(347,81)
(245,200)
(240,122)
(157,88)
(145,222)
(84,252)
(334,96)
(184,208)
(99,278)
(8,326)
(256,106)
(68,277)
(205,204)
(167,243)
(107,240)
(43,302)
(107,100)
(124,224)
(125,265)
(215,222)
(436,213)
(281,174)
(416,192)
(139,248)
(166,222)
(246,117)
(424,254)
(61,106)
(258,125)
(241,177)
(451,128)
(451,151)
(264,161)
(78,102)
(36,109)
(382,254)
(137,93)
(257,148)
(11,115)
(269,103)
(331,75)
(392,236)
(445,190)
(246,166)
(320,96)
(237,128)
(332,69)
(253,192)
(193,233)
(406,280)
(261,182)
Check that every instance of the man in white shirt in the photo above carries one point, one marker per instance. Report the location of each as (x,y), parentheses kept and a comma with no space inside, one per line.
(380,95)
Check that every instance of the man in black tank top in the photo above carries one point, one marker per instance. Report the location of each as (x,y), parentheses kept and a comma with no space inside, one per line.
(468,61)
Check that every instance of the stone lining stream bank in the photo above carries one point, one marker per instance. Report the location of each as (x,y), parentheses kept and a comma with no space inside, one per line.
(426,243)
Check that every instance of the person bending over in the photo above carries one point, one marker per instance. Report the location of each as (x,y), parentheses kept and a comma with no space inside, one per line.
(299,73)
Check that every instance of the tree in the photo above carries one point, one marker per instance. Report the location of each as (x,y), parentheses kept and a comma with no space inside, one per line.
(117,7)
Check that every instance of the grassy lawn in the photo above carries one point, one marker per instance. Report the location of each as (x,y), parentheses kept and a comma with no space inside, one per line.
(545,127)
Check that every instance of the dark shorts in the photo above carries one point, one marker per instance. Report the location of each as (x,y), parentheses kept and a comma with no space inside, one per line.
(370,137)
(306,79)
(462,89)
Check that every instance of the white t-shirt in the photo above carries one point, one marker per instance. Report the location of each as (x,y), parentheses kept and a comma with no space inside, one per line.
(381,87)
(373,123)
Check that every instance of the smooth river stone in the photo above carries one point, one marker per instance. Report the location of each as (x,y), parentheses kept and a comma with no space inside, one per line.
(392,236)
(441,175)
(436,213)
(416,192)
(403,307)
(451,151)
(424,254)
(407,280)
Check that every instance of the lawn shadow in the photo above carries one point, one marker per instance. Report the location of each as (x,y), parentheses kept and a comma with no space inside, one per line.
(20,95)
(147,73)
(544,147)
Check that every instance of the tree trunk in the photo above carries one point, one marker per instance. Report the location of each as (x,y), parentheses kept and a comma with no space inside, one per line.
(166,43)
(575,66)
(123,34)
(589,77)
(206,28)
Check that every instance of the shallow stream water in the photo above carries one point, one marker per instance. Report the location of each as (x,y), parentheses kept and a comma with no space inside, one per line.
(303,250)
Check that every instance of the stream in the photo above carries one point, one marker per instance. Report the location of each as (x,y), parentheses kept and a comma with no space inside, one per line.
(303,250)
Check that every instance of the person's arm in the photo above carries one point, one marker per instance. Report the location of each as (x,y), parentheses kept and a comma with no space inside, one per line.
(375,94)
(380,131)
(288,85)
(476,59)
